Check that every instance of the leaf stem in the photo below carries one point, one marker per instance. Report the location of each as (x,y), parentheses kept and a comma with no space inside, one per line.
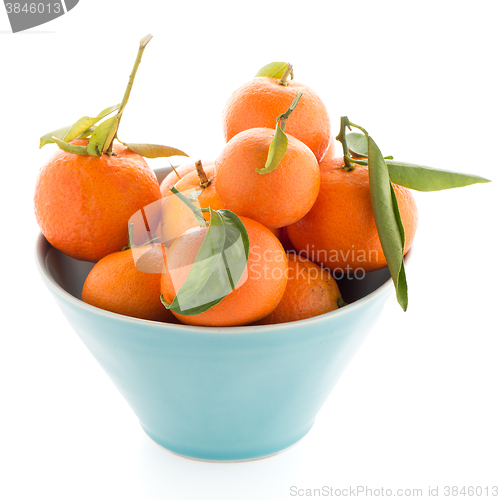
(287,73)
(345,123)
(142,45)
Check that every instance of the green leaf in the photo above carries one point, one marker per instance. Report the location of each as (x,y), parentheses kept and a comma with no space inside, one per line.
(218,266)
(387,219)
(78,129)
(277,150)
(423,178)
(58,134)
(357,144)
(101,137)
(70,148)
(279,144)
(427,179)
(189,202)
(83,124)
(87,133)
(274,69)
(154,150)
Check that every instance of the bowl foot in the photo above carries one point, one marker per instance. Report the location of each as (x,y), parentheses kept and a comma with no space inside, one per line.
(221,457)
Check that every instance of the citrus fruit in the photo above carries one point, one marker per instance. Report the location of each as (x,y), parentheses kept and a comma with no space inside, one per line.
(83,203)
(310,291)
(258,103)
(275,199)
(256,295)
(116,284)
(172,177)
(191,182)
(330,152)
(339,231)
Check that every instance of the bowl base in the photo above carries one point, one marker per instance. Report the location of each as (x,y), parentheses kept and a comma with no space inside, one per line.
(223,460)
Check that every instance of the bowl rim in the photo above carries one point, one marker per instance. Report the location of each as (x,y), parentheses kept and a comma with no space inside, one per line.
(50,282)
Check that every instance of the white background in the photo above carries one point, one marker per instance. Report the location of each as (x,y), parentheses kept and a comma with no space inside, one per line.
(419,405)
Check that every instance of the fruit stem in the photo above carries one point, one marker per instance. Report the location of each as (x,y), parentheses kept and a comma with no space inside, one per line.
(204,180)
(142,45)
(344,123)
(288,73)
(281,120)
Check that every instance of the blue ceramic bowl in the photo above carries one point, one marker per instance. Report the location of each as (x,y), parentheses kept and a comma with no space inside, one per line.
(234,393)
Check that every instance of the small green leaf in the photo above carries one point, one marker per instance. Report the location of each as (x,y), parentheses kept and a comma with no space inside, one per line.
(154,150)
(58,134)
(102,135)
(87,133)
(279,144)
(277,150)
(78,129)
(218,266)
(341,303)
(423,178)
(387,219)
(194,195)
(83,124)
(357,144)
(70,148)
(274,69)
(189,202)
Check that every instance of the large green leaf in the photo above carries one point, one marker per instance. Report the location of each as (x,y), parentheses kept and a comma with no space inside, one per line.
(274,69)
(423,178)
(417,177)
(387,219)
(154,150)
(78,129)
(218,266)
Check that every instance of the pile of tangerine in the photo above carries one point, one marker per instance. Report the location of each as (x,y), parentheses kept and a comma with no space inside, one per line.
(306,218)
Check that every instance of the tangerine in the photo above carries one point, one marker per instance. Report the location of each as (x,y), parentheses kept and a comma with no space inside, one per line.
(191,182)
(258,291)
(260,101)
(310,291)
(339,232)
(117,284)
(83,203)
(174,176)
(275,199)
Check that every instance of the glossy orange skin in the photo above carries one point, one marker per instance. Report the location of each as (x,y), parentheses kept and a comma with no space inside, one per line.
(172,178)
(310,291)
(83,203)
(116,284)
(276,199)
(190,182)
(259,291)
(339,232)
(259,102)
(330,152)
